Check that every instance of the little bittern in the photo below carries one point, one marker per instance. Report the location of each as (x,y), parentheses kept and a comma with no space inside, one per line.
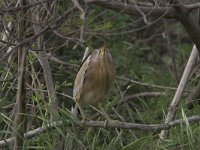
(94,80)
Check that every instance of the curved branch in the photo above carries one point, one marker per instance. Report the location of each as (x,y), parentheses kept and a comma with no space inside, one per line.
(133,9)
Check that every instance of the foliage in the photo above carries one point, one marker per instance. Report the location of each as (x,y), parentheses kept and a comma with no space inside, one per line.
(139,54)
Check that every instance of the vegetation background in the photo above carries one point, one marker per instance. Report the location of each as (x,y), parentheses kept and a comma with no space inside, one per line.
(42,44)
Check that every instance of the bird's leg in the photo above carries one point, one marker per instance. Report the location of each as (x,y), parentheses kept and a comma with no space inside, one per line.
(82,112)
(102,111)
(104,114)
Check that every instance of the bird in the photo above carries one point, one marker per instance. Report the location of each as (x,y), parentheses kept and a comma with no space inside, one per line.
(94,81)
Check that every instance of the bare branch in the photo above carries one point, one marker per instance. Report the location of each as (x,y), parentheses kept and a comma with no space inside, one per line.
(137,126)
(144,94)
(109,124)
(115,5)
(43,59)
(20,107)
(193,6)
(195,94)
(132,9)
(177,98)
(25,7)
(146,84)
(176,11)
(55,23)
(31,134)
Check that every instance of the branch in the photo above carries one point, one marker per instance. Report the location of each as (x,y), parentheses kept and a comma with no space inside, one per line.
(144,94)
(109,124)
(57,60)
(193,6)
(53,24)
(20,107)
(177,98)
(132,9)
(25,7)
(43,59)
(195,94)
(31,133)
(176,11)
(137,126)
(189,22)
(146,84)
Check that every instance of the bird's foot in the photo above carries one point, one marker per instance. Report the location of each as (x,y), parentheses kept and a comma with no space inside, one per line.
(106,123)
(84,119)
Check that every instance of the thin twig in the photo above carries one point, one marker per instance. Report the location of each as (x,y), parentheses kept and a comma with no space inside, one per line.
(147,84)
(143,94)
(171,51)
(15,9)
(43,59)
(31,133)
(55,23)
(132,9)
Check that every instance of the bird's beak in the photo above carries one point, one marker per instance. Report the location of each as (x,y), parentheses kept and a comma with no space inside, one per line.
(102,51)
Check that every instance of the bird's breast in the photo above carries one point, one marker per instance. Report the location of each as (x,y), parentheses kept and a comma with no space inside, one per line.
(97,80)
(96,86)
(91,97)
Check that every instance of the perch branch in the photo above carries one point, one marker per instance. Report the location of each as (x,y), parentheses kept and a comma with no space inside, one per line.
(25,7)
(109,124)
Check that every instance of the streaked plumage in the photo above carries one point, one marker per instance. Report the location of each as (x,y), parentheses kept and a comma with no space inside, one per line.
(94,80)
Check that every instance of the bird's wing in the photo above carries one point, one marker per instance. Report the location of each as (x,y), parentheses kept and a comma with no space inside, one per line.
(80,76)
(86,54)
